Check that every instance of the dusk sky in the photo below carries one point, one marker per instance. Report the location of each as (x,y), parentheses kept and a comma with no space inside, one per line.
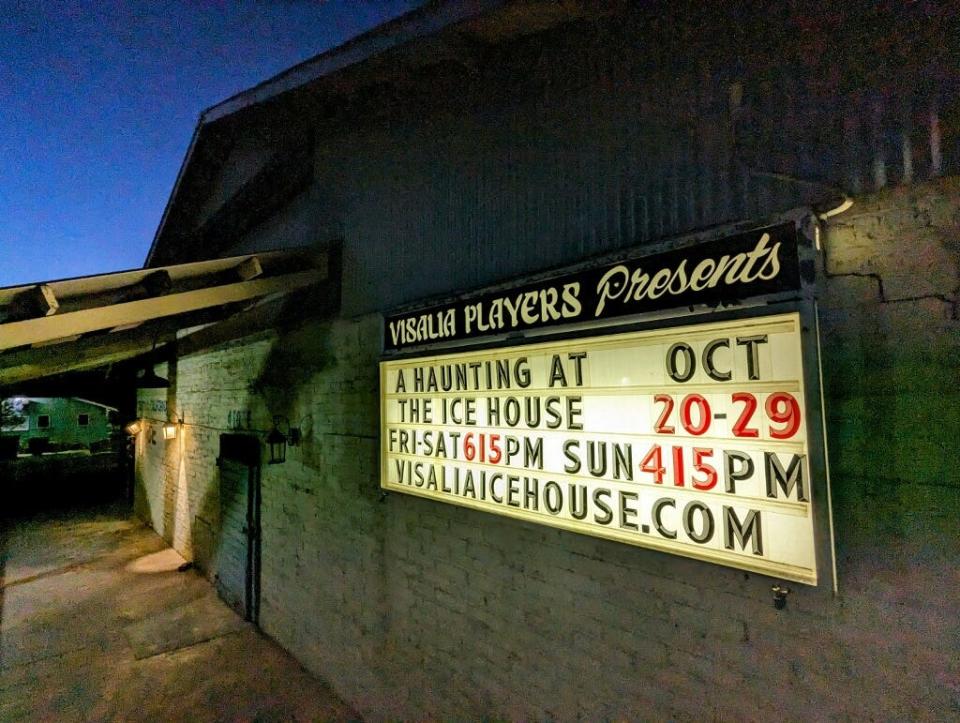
(98,101)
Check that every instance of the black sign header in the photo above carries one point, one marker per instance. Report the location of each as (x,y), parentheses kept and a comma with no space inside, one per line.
(753,263)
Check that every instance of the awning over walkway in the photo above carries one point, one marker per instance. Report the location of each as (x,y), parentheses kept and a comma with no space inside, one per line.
(74,324)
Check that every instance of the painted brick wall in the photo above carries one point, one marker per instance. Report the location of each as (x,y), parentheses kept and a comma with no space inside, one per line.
(412,608)
(177,489)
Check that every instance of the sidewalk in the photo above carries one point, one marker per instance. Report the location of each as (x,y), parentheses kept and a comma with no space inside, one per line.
(96,623)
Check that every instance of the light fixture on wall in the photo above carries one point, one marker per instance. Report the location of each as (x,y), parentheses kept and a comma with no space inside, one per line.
(170,429)
(133,429)
(278,440)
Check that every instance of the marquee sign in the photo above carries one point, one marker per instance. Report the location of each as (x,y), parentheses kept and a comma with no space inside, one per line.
(753,263)
(692,440)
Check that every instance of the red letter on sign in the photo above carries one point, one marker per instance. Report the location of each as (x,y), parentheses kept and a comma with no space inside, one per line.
(661,426)
(653,463)
(740,428)
(711,474)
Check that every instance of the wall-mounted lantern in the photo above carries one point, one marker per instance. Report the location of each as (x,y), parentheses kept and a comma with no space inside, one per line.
(170,430)
(133,429)
(277,440)
(278,446)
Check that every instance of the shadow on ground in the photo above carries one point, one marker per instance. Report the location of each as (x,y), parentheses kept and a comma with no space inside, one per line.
(99,623)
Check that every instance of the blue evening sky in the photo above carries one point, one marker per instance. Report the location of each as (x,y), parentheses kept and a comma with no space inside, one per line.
(98,101)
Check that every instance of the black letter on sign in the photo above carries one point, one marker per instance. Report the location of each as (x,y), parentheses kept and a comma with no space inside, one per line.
(712,371)
(607,512)
(574,466)
(657,506)
(690,363)
(730,460)
(748,530)
(707,532)
(556,372)
(787,479)
(553,497)
(753,358)
(626,513)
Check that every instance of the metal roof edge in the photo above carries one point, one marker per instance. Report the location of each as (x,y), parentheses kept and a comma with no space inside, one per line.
(95,404)
(32,398)
(173,193)
(420,22)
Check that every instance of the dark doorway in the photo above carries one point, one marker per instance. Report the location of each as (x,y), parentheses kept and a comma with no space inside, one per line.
(237,561)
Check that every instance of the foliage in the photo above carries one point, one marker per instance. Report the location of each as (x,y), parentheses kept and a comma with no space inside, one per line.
(10,415)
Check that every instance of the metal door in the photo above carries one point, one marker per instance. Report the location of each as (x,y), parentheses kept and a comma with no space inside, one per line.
(237,563)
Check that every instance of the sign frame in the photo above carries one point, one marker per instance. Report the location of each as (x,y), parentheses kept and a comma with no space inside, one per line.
(801,301)
(442,320)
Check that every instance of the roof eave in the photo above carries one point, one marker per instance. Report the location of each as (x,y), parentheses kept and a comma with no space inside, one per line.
(418,23)
(173,194)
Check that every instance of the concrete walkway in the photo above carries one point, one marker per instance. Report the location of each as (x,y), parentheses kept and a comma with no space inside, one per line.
(96,623)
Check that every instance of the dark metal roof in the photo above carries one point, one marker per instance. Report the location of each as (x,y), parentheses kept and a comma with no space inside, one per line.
(426,20)
(758,107)
(339,71)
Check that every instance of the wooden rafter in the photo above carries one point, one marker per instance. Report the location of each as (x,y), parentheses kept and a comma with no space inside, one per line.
(34,331)
(61,327)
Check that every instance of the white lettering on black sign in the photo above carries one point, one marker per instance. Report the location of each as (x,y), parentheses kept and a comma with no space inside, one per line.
(753,263)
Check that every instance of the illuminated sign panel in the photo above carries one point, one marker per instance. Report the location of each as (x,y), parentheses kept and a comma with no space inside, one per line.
(691,440)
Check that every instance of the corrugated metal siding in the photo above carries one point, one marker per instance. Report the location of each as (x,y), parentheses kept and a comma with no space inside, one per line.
(559,149)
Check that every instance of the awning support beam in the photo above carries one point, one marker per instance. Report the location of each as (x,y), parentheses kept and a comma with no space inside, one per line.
(39,330)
